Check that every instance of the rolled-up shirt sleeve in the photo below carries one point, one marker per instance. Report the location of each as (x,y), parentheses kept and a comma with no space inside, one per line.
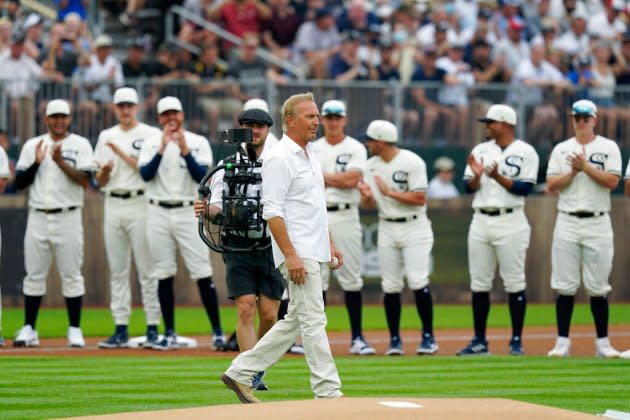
(276,176)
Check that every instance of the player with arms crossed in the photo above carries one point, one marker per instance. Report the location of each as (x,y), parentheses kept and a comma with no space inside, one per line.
(583,170)
(396,182)
(125,220)
(501,172)
(173,163)
(343,160)
(57,166)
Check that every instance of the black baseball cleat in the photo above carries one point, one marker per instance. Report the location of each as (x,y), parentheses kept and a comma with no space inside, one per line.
(257,382)
(516,347)
(152,336)
(116,341)
(476,347)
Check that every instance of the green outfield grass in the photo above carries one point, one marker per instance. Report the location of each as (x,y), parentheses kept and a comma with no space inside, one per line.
(35,387)
(53,322)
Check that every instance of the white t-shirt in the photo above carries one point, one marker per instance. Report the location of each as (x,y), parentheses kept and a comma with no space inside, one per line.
(571,44)
(599,25)
(455,94)
(519,162)
(406,172)
(52,188)
(347,155)
(123,177)
(440,190)
(98,73)
(21,74)
(172,180)
(5,171)
(583,193)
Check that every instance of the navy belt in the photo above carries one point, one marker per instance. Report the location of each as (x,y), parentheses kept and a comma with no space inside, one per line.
(337,207)
(125,195)
(585,214)
(57,210)
(401,219)
(495,212)
(171,204)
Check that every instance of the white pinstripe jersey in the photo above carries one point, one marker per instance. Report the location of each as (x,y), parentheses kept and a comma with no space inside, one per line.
(345,156)
(627,171)
(123,176)
(52,188)
(583,193)
(5,172)
(172,180)
(406,172)
(519,162)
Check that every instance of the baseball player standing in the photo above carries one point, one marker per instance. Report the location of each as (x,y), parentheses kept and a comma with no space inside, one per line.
(501,172)
(5,174)
(583,170)
(294,202)
(626,190)
(343,160)
(396,182)
(57,166)
(116,156)
(173,163)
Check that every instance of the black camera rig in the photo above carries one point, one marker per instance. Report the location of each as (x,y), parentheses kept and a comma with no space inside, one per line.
(239,227)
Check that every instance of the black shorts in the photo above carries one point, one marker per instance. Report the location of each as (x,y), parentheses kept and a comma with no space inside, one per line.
(253,273)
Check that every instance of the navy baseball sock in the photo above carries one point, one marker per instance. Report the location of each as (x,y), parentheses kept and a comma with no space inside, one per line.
(167,302)
(392,313)
(354,304)
(282,310)
(324,296)
(31,309)
(564,311)
(74,310)
(424,306)
(518,304)
(208,294)
(599,309)
(481,308)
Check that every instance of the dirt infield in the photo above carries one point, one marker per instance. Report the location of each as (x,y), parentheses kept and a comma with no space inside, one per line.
(536,340)
(365,408)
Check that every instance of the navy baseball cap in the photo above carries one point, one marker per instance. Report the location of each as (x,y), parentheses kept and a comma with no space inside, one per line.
(255,115)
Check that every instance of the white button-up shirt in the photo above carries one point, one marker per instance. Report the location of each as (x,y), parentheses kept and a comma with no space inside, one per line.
(293,189)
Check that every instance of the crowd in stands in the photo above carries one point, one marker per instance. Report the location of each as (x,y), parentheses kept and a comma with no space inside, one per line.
(450,54)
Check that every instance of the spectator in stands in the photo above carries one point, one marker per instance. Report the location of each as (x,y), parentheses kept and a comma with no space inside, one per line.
(57,59)
(248,70)
(609,23)
(65,7)
(240,17)
(279,31)
(502,21)
(441,185)
(566,11)
(135,64)
(356,17)
(11,151)
(346,65)
(190,31)
(546,36)
(74,37)
(426,35)
(536,20)
(214,92)
(387,68)
(6,28)
(315,43)
(10,9)
(128,17)
(622,66)
(278,74)
(575,40)
(513,48)
(33,26)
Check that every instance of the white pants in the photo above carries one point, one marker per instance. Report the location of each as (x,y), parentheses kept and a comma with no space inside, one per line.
(582,247)
(170,229)
(61,235)
(345,228)
(125,232)
(502,239)
(305,316)
(404,250)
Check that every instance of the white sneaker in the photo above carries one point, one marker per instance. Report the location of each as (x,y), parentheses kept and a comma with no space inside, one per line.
(75,337)
(603,348)
(297,349)
(625,354)
(361,347)
(26,337)
(562,348)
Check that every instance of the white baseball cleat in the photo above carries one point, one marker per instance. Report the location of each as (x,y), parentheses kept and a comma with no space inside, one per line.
(360,347)
(603,348)
(75,337)
(625,354)
(26,337)
(562,347)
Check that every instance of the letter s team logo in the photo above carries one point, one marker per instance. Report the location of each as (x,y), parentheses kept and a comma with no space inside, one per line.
(513,164)
(401,182)
(342,162)
(598,159)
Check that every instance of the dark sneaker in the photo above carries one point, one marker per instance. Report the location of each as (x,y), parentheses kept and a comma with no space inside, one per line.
(395,347)
(475,348)
(119,340)
(152,336)
(516,347)
(169,342)
(257,382)
(219,342)
(427,345)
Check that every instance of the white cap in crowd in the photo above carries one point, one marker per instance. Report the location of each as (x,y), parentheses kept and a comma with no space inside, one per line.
(383,131)
(256,103)
(443,164)
(103,41)
(500,113)
(57,106)
(126,95)
(333,107)
(169,103)
(584,107)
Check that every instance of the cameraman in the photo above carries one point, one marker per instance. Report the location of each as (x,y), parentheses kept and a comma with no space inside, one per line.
(251,274)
